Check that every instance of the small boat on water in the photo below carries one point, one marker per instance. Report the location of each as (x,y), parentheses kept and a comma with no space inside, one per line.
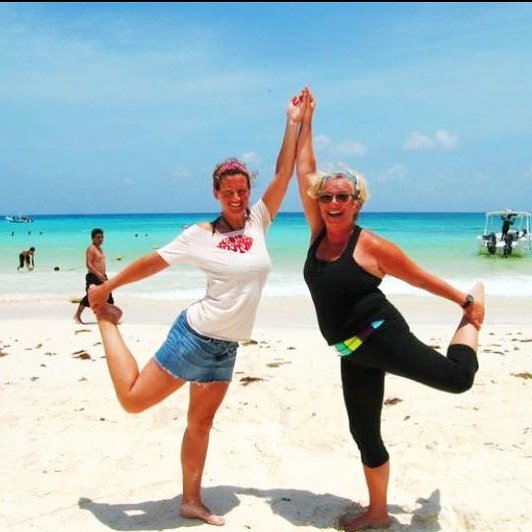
(18,219)
(506,233)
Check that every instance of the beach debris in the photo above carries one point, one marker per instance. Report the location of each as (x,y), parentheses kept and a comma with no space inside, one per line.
(525,375)
(249,342)
(495,351)
(83,355)
(3,353)
(82,331)
(493,445)
(75,299)
(392,401)
(282,499)
(247,380)
(277,364)
(33,379)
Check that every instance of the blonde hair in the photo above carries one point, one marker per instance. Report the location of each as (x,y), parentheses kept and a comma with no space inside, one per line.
(356,179)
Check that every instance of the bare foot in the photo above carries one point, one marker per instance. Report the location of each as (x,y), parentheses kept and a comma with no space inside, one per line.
(475,313)
(110,313)
(365,520)
(478,291)
(200,511)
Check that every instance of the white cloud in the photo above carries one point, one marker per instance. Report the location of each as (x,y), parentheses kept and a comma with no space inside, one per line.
(344,148)
(418,141)
(446,140)
(442,139)
(349,147)
(335,166)
(395,174)
(180,173)
(250,157)
(322,141)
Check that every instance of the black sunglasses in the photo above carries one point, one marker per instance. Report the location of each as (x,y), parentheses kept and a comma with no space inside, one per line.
(343,197)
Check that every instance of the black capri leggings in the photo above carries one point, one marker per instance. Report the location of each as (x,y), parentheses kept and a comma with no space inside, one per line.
(394,349)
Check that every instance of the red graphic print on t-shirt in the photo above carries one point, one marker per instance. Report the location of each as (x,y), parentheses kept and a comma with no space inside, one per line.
(238,244)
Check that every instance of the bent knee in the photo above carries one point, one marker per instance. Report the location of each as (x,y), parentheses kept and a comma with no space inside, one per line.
(463,385)
(373,452)
(131,406)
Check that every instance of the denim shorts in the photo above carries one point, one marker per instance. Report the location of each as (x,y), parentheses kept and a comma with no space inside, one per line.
(190,356)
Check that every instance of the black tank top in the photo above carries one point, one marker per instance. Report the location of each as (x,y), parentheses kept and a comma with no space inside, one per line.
(347,297)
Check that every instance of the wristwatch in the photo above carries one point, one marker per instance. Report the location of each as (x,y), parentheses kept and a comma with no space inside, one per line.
(468,300)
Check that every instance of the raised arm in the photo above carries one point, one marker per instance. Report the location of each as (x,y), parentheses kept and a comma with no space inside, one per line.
(274,194)
(140,269)
(306,167)
(382,257)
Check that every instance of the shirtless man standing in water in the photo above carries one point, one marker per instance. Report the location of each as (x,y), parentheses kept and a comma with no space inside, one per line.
(95,260)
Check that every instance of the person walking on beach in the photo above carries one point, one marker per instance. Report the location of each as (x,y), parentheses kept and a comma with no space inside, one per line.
(344,267)
(202,343)
(26,258)
(95,261)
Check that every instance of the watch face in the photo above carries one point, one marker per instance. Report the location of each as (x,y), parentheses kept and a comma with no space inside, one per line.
(469,299)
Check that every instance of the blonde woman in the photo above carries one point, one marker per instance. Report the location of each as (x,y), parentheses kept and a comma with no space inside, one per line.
(343,270)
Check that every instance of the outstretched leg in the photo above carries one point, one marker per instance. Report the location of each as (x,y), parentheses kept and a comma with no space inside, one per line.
(363,387)
(398,351)
(135,390)
(205,399)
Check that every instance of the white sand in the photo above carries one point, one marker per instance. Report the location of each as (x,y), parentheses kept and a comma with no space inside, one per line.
(281,457)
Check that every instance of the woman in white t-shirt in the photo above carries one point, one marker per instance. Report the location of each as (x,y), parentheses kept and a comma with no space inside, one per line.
(201,345)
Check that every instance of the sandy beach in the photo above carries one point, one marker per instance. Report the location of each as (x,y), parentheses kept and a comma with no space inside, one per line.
(281,457)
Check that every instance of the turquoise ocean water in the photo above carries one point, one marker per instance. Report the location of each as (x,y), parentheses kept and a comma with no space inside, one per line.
(444,243)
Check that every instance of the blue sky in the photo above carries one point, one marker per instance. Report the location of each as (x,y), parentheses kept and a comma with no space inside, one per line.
(127,107)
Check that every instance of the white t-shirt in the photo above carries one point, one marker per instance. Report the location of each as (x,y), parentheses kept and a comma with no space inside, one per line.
(237,265)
